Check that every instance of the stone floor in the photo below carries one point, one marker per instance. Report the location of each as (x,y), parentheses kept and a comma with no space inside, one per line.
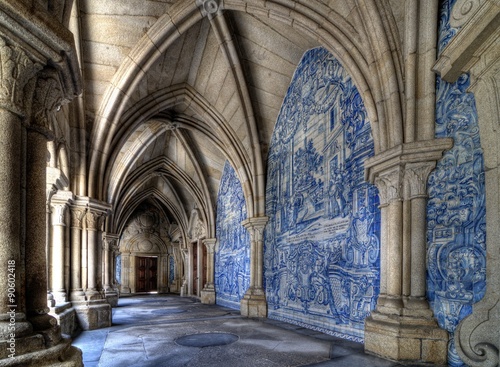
(167,330)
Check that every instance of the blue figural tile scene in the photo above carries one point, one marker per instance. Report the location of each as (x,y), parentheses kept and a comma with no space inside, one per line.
(321,250)
(456,222)
(232,252)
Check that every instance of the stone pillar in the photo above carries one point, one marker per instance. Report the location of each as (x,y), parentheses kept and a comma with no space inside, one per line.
(94,311)
(185,274)
(109,243)
(416,176)
(208,293)
(23,153)
(59,205)
(93,221)
(77,214)
(402,327)
(18,70)
(254,302)
(125,286)
(47,96)
(188,271)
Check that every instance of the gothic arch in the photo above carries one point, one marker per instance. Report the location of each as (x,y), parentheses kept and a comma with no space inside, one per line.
(371,63)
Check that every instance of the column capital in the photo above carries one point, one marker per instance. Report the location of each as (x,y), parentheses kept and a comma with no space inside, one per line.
(388,169)
(255,224)
(17,69)
(77,215)
(415,179)
(210,244)
(48,98)
(93,220)
(96,211)
(59,202)
(390,184)
(110,241)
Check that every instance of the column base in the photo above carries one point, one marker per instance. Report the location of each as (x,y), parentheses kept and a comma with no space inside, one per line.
(30,352)
(208,296)
(94,314)
(66,318)
(112,297)
(253,303)
(77,295)
(406,339)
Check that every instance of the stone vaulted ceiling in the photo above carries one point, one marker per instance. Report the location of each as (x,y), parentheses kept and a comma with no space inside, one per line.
(209,88)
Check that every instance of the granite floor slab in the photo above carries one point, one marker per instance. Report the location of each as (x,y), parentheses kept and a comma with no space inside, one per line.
(170,331)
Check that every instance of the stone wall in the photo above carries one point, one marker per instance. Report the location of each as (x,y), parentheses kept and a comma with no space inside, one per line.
(232,253)
(322,242)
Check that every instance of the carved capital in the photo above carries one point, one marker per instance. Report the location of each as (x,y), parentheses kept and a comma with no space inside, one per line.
(416,179)
(210,244)
(390,185)
(48,98)
(255,226)
(77,215)
(110,242)
(93,220)
(58,214)
(16,69)
(209,7)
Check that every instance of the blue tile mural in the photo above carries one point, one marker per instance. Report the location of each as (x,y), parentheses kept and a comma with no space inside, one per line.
(232,252)
(118,268)
(171,271)
(321,251)
(456,254)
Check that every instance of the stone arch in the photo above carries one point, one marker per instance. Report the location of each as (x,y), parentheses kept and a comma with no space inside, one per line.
(143,238)
(371,63)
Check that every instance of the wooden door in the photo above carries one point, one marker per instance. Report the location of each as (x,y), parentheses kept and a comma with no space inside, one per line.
(147,274)
(195,269)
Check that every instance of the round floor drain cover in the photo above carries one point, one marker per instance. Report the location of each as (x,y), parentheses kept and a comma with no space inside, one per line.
(206,339)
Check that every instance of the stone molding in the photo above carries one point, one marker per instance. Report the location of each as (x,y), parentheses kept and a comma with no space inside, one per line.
(478,24)
(463,10)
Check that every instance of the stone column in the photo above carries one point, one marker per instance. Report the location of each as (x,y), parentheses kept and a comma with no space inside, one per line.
(402,326)
(208,293)
(185,275)
(109,243)
(47,98)
(254,302)
(77,214)
(57,252)
(416,176)
(125,286)
(391,205)
(93,222)
(17,70)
